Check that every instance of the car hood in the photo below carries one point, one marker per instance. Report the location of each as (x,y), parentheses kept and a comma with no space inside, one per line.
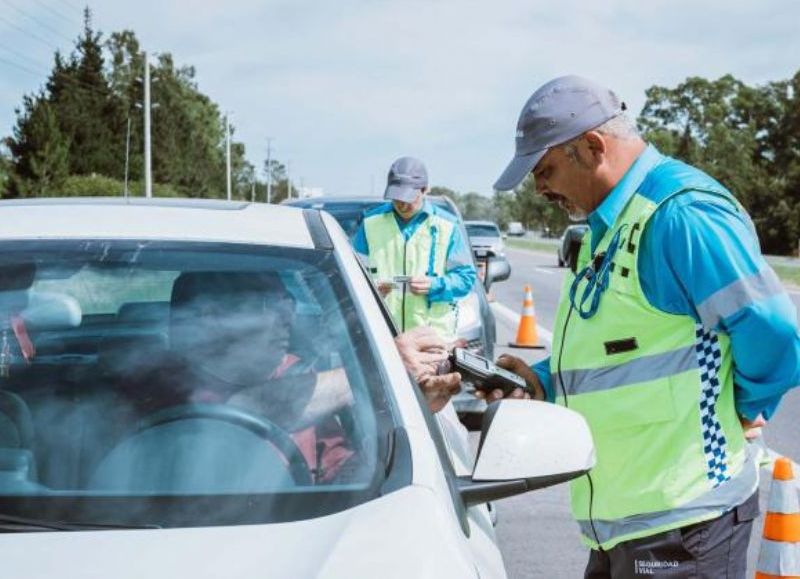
(407,533)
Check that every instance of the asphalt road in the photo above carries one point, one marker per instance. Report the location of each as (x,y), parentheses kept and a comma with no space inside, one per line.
(536,534)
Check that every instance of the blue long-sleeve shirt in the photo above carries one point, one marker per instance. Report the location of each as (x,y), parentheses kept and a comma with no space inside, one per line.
(701,257)
(460,271)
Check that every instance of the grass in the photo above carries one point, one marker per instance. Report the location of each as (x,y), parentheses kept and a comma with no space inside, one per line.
(788,274)
(531,244)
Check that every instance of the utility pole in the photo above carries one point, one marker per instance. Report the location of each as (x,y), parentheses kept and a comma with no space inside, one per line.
(228,155)
(148,176)
(269,169)
(127,155)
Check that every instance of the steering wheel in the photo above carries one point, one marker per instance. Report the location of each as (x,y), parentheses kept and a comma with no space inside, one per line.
(261,427)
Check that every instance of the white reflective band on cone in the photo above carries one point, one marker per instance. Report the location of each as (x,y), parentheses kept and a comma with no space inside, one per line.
(528,311)
(783,497)
(781,559)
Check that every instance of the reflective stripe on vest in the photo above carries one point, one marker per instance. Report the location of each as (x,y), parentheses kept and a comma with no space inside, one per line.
(656,389)
(424,253)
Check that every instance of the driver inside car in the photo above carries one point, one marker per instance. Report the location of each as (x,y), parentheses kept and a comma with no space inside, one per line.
(231,333)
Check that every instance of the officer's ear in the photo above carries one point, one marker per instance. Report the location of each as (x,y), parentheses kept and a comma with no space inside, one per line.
(596,146)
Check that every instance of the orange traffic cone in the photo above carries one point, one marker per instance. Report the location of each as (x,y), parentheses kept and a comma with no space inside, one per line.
(527,336)
(780,548)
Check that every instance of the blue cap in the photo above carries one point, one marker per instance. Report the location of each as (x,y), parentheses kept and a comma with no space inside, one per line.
(406,177)
(557,112)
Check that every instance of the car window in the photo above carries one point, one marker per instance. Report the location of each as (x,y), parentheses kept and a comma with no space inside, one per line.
(226,375)
(482,230)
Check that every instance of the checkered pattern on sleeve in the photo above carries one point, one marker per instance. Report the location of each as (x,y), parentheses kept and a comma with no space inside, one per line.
(709,359)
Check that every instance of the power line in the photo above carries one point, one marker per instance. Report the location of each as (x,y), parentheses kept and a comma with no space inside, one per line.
(71,5)
(19,66)
(56,12)
(36,20)
(27,32)
(24,57)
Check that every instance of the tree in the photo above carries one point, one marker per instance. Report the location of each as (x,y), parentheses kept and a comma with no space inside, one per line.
(39,151)
(92,98)
(87,112)
(746,137)
(5,169)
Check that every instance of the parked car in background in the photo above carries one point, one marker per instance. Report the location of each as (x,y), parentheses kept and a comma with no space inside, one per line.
(476,322)
(489,251)
(516,229)
(485,235)
(122,459)
(571,244)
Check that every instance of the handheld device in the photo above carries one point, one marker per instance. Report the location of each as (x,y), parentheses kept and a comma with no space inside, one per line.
(401,279)
(484,374)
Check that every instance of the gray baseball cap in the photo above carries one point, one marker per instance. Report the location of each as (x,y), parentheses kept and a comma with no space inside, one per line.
(559,111)
(406,177)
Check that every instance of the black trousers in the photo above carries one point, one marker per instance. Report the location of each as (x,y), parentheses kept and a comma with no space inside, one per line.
(715,549)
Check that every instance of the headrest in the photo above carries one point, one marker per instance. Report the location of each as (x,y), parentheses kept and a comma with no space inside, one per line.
(51,311)
(190,286)
(143,312)
(15,280)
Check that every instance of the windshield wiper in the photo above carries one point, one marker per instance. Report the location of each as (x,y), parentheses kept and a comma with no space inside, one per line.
(14,524)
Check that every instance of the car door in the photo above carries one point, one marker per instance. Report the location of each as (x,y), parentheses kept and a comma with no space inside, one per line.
(457,458)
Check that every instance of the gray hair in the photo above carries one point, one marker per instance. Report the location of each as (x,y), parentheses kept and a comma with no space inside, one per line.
(620,127)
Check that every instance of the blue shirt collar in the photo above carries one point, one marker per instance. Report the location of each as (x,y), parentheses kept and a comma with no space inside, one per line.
(607,212)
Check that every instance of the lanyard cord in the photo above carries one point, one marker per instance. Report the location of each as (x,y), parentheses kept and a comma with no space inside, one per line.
(597,279)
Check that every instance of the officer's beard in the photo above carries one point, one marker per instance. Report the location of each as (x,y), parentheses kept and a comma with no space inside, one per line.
(575,213)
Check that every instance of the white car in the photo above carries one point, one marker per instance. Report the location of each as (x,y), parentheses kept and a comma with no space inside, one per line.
(210,389)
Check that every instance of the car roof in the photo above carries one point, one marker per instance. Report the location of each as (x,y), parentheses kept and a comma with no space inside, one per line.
(479,222)
(154,219)
(331,200)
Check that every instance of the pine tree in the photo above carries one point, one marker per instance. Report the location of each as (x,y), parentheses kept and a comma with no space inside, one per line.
(86,108)
(39,149)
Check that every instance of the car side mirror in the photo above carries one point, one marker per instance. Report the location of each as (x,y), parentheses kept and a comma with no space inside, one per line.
(497,269)
(527,445)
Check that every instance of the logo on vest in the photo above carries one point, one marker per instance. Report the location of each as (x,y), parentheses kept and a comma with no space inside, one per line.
(652,567)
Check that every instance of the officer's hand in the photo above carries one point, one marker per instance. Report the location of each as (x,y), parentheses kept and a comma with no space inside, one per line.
(520,368)
(497,394)
(439,389)
(752,428)
(384,288)
(420,285)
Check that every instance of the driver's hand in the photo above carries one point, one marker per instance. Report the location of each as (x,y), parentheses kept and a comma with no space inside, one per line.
(520,368)
(423,351)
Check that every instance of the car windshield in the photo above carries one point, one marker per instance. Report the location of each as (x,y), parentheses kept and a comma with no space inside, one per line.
(482,230)
(184,384)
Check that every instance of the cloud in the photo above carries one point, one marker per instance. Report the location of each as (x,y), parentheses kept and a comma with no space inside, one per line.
(346,87)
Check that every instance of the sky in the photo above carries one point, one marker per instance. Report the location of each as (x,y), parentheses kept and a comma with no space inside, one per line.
(344,87)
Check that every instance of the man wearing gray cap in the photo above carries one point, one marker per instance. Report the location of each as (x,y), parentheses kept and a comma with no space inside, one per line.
(674,339)
(422,264)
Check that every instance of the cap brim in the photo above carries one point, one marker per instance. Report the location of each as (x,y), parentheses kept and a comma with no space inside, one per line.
(404,193)
(519,167)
